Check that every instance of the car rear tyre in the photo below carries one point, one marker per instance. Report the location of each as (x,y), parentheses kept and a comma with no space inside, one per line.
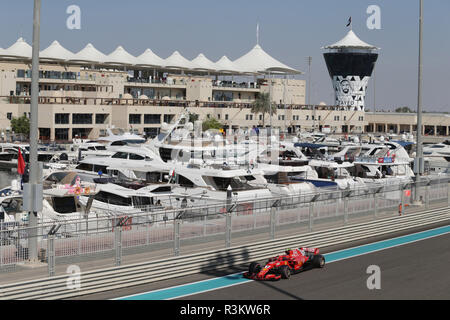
(285,272)
(254,267)
(318,261)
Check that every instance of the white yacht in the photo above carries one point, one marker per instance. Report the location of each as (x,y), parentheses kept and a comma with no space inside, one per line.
(438,151)
(81,149)
(120,138)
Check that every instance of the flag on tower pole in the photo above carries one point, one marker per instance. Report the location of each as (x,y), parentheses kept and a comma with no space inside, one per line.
(20,164)
(349,23)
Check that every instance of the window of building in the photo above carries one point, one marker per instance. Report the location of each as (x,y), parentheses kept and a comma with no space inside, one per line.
(100,118)
(9,115)
(222,96)
(61,134)
(226,117)
(134,118)
(82,118)
(168,118)
(152,118)
(61,118)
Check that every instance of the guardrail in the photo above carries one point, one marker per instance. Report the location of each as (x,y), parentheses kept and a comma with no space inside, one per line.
(228,222)
(142,273)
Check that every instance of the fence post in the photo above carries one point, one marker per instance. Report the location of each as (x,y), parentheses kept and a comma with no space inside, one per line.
(402,200)
(375,205)
(176,237)
(51,255)
(345,208)
(427,195)
(204,226)
(147,235)
(448,196)
(311,215)
(1,243)
(228,230)
(118,244)
(337,205)
(272,222)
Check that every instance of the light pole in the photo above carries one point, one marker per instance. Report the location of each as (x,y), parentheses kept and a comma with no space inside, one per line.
(309,60)
(284,102)
(418,165)
(33,190)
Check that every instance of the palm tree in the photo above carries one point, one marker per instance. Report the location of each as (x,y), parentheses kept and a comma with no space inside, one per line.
(263,105)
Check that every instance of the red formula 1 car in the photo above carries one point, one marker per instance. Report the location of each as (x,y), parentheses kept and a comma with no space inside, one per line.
(281,267)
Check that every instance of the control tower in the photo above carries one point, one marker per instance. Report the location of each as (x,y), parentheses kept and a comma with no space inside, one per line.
(350,63)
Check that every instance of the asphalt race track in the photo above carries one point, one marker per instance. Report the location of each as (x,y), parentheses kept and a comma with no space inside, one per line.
(419,270)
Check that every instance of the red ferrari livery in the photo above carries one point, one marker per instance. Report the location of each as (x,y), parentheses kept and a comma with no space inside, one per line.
(293,261)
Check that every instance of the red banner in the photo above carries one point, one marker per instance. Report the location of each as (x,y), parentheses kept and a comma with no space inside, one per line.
(20,164)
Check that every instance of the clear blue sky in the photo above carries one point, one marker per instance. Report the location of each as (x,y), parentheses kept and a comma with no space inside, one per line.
(290,30)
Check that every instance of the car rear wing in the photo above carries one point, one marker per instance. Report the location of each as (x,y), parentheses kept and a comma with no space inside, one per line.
(310,250)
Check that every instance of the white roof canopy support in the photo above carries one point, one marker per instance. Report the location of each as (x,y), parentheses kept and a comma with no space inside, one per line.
(177,61)
(255,62)
(351,41)
(89,55)
(121,57)
(202,63)
(258,61)
(19,50)
(225,65)
(55,52)
(150,59)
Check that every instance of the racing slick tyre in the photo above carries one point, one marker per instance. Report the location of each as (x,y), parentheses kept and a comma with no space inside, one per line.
(285,272)
(318,261)
(254,267)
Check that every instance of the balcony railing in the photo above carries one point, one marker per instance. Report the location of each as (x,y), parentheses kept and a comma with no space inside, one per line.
(155,102)
(232,84)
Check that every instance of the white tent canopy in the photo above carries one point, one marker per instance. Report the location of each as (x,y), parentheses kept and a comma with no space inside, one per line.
(89,55)
(20,49)
(55,52)
(121,57)
(203,63)
(177,61)
(225,65)
(351,40)
(148,58)
(258,61)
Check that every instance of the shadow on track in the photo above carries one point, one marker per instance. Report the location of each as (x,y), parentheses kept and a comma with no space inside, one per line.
(224,264)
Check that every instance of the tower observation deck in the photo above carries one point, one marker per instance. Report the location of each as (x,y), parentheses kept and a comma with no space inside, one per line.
(350,63)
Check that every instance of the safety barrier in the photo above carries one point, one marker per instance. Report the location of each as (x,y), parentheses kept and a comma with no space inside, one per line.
(137,274)
(230,222)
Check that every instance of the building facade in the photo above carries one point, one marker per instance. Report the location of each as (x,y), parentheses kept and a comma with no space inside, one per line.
(76,101)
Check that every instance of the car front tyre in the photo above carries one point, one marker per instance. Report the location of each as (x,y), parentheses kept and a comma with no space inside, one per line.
(254,267)
(285,272)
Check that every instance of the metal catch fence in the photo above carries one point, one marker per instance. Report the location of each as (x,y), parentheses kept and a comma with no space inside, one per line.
(226,222)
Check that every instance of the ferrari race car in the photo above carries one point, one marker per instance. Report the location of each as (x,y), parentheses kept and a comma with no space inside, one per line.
(281,267)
